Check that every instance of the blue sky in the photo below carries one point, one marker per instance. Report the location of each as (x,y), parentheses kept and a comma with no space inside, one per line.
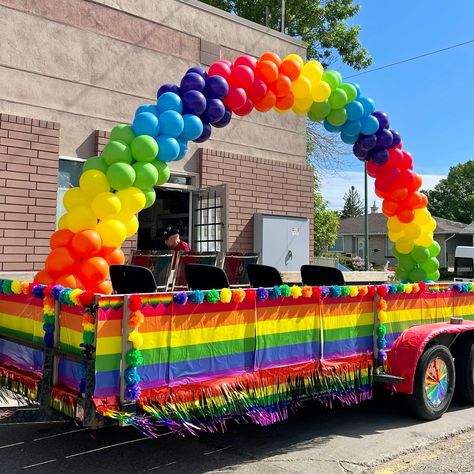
(430,101)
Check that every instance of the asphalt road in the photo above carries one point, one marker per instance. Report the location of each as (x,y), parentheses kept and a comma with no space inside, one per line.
(377,436)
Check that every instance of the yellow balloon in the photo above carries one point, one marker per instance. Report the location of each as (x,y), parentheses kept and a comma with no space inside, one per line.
(105,205)
(63,223)
(412,231)
(394,236)
(301,106)
(123,216)
(112,232)
(430,227)
(404,245)
(81,218)
(131,226)
(425,239)
(301,88)
(313,70)
(296,58)
(422,216)
(394,225)
(320,91)
(133,199)
(75,197)
(93,182)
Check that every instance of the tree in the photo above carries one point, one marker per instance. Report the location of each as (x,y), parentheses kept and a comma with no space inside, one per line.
(352,204)
(326,222)
(453,197)
(322,24)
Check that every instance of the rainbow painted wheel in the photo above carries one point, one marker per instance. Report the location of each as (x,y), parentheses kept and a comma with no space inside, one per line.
(434,383)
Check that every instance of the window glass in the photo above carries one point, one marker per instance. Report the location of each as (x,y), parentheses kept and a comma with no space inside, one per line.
(338,245)
(69,174)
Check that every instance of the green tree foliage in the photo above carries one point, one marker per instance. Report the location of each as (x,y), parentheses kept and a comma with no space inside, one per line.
(453,197)
(352,204)
(326,222)
(322,24)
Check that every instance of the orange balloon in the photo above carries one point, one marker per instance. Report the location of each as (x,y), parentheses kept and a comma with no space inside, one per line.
(406,216)
(60,238)
(380,194)
(282,86)
(267,71)
(92,271)
(272,57)
(291,68)
(285,103)
(60,262)
(267,102)
(389,208)
(68,281)
(86,243)
(113,255)
(104,288)
(43,277)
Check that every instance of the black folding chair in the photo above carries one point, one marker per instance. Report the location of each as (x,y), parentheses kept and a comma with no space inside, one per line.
(235,266)
(317,275)
(263,275)
(128,279)
(205,277)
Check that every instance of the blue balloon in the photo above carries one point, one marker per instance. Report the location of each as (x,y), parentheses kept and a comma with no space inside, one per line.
(357,89)
(369,125)
(167,88)
(171,123)
(331,128)
(169,101)
(355,110)
(216,86)
(146,123)
(206,133)
(197,70)
(352,128)
(215,110)
(168,148)
(368,104)
(349,139)
(194,102)
(183,148)
(192,127)
(225,120)
(147,108)
(192,82)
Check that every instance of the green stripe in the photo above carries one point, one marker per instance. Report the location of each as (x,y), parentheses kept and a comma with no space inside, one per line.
(287,338)
(331,335)
(104,363)
(28,337)
(71,349)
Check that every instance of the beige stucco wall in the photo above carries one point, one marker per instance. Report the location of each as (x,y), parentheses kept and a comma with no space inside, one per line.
(86,79)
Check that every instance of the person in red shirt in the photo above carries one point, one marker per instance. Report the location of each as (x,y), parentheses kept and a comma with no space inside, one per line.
(173,241)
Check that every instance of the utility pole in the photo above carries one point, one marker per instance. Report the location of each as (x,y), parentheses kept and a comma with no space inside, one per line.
(366,221)
(282,16)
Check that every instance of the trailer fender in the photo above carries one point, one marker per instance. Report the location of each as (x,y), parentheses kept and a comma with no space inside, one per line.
(407,349)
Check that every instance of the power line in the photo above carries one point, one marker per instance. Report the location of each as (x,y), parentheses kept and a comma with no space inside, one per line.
(411,59)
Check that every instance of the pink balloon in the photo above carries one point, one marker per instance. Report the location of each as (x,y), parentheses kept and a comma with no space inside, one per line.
(246,109)
(242,76)
(220,69)
(246,60)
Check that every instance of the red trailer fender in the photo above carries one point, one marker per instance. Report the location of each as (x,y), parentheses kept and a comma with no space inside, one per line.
(408,347)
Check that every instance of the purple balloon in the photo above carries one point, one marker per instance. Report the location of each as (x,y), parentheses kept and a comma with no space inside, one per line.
(194,102)
(382,117)
(225,120)
(384,138)
(397,139)
(192,82)
(216,86)
(167,88)
(215,110)
(359,152)
(367,142)
(206,133)
(197,70)
(379,155)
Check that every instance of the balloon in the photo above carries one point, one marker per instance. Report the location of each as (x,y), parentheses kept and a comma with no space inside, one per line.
(43,277)
(171,123)
(302,106)
(245,109)
(404,245)
(338,99)
(433,276)
(397,139)
(236,98)
(192,81)
(349,139)
(146,175)
(116,152)
(62,223)
(215,110)
(331,128)
(168,148)
(68,281)
(399,194)
(412,230)
(112,232)
(86,243)
(422,216)
(369,125)
(337,117)
(95,163)
(224,120)
(81,218)
(350,91)
(163,172)
(258,90)
(169,101)
(425,239)
(105,205)
(291,68)
(384,138)
(219,69)
(355,110)
(144,147)
(430,266)
(368,104)
(320,91)
(406,262)
(406,215)
(417,274)
(60,238)
(242,76)
(167,88)
(93,270)
(93,182)
(192,125)
(420,254)
(401,274)
(382,118)
(132,199)
(360,153)
(145,108)
(313,70)
(434,249)
(112,255)
(406,160)
(206,133)
(330,78)
(75,197)
(352,128)
(197,70)
(150,196)
(120,176)
(245,60)
(282,86)
(267,70)
(267,102)
(131,226)
(59,262)
(319,111)
(146,123)
(216,87)
(103,288)
(379,155)
(367,142)
(283,104)
(301,88)
(394,225)
(272,57)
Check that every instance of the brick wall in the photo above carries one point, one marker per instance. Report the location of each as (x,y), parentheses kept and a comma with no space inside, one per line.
(258,185)
(29,152)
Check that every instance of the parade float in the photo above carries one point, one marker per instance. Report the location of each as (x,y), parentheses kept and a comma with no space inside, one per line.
(192,361)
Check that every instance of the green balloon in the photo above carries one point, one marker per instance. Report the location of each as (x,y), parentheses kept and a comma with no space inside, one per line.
(95,163)
(433,276)
(417,274)
(401,274)
(319,111)
(150,196)
(117,152)
(430,266)
(122,132)
(350,90)
(406,262)
(337,117)
(163,172)
(144,148)
(146,175)
(395,252)
(420,254)
(434,249)
(338,76)
(331,78)
(121,176)
(338,99)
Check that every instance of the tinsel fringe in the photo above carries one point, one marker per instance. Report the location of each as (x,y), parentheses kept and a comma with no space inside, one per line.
(63,401)
(20,384)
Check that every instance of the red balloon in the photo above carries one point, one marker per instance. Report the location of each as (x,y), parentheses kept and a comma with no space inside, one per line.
(236,98)
(389,208)
(245,109)
(86,243)
(267,70)
(398,194)
(220,69)
(406,216)
(92,271)
(282,86)
(405,179)
(373,169)
(391,175)
(258,90)
(268,101)
(242,76)
(406,161)
(245,60)
(59,262)
(60,238)
(113,255)
(382,185)
(380,194)
(285,103)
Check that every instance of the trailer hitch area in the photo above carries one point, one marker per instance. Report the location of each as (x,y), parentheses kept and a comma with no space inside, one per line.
(387,379)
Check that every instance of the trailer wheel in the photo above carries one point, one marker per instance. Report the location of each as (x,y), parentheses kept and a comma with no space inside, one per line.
(464,363)
(434,383)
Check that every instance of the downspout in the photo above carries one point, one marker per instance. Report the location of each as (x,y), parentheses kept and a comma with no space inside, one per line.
(446,250)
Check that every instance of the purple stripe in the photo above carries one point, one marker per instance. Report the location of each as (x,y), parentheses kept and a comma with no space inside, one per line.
(391,338)
(348,347)
(287,362)
(106,392)
(20,356)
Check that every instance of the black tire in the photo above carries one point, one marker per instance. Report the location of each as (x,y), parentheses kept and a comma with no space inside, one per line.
(464,364)
(421,405)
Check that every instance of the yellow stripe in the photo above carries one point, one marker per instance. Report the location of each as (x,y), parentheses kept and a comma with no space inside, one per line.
(348,320)
(19,323)
(156,340)
(109,345)
(70,337)
(462,311)
(279,326)
(426,314)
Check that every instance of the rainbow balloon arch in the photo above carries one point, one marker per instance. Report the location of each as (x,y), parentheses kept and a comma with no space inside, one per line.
(115,186)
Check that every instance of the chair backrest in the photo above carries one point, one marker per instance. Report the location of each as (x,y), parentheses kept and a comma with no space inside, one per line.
(186,258)
(205,277)
(159,262)
(132,279)
(316,275)
(263,275)
(235,267)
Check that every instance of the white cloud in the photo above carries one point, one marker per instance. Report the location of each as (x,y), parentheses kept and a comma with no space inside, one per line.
(334,187)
